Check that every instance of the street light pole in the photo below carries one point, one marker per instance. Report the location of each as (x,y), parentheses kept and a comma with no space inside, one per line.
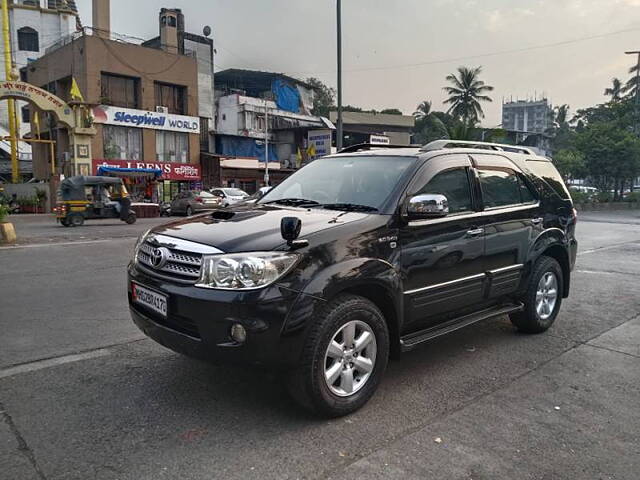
(339,26)
(637,100)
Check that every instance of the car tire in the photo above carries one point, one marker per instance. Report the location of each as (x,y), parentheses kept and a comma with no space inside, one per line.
(189,211)
(77,220)
(310,385)
(542,299)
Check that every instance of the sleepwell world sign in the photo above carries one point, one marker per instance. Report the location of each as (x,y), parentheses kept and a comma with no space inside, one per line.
(127,117)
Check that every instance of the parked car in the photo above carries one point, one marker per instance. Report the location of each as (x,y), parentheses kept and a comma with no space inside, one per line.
(190,202)
(357,257)
(253,198)
(230,196)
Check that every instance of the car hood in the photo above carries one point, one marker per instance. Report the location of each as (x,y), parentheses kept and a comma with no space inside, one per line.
(252,228)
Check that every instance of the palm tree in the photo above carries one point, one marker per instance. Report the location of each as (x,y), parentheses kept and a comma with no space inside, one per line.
(466,94)
(561,116)
(615,91)
(423,110)
(631,85)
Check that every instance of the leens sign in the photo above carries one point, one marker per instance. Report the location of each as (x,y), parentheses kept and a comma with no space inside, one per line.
(170,171)
(127,117)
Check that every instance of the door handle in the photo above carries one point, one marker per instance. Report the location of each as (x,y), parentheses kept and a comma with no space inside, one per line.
(475,232)
(536,220)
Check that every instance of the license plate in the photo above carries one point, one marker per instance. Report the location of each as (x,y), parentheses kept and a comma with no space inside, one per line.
(150,299)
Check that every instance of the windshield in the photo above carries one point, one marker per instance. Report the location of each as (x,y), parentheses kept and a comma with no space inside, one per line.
(234,192)
(362,180)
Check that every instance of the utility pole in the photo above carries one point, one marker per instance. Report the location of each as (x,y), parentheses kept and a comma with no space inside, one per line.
(266,141)
(637,100)
(339,26)
(8,68)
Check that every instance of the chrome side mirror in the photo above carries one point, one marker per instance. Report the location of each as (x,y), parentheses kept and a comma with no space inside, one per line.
(429,205)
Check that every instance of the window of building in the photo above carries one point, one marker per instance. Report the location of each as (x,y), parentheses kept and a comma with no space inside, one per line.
(119,91)
(28,40)
(26,117)
(122,143)
(453,184)
(172,147)
(171,96)
(204,134)
(500,188)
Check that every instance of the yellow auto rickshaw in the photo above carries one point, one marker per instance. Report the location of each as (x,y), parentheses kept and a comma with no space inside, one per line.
(83,197)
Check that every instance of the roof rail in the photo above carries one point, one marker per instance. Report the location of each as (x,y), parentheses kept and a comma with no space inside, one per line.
(370,146)
(501,147)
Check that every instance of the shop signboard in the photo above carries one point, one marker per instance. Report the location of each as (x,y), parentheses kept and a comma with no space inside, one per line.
(127,117)
(379,140)
(319,143)
(186,172)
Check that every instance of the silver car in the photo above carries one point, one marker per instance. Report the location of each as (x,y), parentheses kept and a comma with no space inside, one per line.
(190,202)
(230,196)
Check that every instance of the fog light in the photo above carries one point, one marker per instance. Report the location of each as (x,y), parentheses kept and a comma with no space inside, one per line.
(238,333)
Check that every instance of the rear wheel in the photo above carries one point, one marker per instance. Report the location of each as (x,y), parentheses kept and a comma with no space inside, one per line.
(344,358)
(65,222)
(542,299)
(131,218)
(77,220)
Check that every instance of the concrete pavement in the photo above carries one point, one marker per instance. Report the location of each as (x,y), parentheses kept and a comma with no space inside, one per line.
(124,407)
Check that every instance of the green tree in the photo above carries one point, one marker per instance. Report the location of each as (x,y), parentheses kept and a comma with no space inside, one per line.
(615,91)
(570,163)
(466,93)
(391,111)
(323,99)
(422,110)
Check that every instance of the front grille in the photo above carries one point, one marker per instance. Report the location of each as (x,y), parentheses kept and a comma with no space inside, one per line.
(180,265)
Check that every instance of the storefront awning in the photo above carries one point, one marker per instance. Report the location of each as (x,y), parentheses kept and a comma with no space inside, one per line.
(129,172)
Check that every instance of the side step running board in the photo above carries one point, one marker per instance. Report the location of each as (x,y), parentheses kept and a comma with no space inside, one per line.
(408,342)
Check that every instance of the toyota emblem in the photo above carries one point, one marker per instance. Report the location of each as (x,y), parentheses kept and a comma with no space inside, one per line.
(159,257)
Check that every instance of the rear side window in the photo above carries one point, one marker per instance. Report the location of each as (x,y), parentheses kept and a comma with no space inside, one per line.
(547,171)
(500,188)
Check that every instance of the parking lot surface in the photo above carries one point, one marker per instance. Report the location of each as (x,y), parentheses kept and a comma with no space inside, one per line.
(83,394)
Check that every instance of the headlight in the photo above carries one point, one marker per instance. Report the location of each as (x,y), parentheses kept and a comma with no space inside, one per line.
(244,271)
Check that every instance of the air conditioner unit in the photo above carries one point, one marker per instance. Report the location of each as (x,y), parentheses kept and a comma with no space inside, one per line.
(161,109)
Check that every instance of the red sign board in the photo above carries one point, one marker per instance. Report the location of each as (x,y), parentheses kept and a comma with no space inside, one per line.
(170,171)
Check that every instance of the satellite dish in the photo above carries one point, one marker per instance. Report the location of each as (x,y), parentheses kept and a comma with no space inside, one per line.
(206,30)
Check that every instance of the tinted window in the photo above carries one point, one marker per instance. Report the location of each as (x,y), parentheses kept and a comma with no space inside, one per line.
(499,188)
(526,196)
(453,184)
(547,171)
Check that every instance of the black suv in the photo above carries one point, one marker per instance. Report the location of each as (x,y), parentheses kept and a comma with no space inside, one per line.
(359,256)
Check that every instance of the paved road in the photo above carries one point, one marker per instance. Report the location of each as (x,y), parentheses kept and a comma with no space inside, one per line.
(84,395)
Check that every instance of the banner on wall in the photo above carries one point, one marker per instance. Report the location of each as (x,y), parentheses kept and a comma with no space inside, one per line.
(170,171)
(128,117)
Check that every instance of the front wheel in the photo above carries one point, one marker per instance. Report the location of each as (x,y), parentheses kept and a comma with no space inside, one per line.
(189,211)
(344,358)
(542,299)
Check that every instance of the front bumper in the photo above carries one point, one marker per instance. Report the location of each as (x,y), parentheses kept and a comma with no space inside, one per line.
(199,321)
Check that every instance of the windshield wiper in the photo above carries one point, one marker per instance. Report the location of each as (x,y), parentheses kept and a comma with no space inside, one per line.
(348,207)
(295,202)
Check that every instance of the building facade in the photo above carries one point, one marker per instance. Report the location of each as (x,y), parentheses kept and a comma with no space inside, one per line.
(528,122)
(145,105)
(253,107)
(34,25)
(377,128)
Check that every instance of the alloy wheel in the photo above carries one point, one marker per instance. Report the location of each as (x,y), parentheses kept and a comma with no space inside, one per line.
(350,358)
(546,295)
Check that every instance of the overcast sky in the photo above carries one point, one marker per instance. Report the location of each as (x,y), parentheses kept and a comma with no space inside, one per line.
(397,53)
